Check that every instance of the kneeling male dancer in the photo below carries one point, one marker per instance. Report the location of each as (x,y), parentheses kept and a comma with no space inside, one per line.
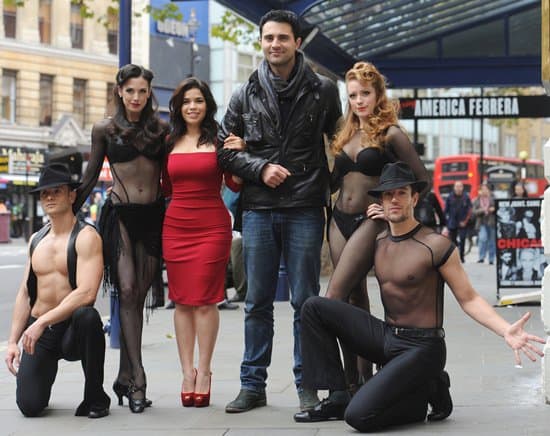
(53,314)
(412,264)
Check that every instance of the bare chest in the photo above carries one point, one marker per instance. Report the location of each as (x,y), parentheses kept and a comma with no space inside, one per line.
(50,256)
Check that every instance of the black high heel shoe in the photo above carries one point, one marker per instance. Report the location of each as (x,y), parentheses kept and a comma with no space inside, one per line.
(121,391)
(137,405)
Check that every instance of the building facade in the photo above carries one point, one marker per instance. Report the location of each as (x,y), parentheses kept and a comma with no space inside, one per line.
(56,70)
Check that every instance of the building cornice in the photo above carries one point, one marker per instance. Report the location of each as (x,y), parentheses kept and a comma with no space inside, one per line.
(69,54)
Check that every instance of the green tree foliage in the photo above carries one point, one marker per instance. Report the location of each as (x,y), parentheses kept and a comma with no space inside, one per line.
(236,30)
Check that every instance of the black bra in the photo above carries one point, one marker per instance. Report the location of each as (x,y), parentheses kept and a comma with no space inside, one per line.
(120,151)
(369,161)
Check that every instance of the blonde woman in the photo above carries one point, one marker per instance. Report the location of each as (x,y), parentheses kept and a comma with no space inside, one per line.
(368,139)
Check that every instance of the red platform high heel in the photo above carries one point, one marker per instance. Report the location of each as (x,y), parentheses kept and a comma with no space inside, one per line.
(203,400)
(188,398)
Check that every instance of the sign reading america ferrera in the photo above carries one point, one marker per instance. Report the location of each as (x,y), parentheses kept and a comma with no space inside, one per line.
(524,106)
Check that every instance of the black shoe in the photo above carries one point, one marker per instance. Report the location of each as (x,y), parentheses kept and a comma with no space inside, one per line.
(326,410)
(98,413)
(171,305)
(226,305)
(245,401)
(121,391)
(440,398)
(480,261)
(137,405)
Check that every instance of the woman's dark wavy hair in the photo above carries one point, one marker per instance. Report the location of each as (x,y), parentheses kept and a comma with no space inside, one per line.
(149,129)
(178,127)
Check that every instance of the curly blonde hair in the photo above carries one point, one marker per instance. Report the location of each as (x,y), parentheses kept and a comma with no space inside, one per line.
(383,116)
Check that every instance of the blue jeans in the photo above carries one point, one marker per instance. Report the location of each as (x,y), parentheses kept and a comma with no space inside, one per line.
(486,241)
(297,234)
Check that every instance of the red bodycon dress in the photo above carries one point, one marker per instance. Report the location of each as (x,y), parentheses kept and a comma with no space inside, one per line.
(196,236)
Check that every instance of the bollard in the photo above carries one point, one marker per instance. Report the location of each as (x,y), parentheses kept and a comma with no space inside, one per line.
(114,322)
(282,292)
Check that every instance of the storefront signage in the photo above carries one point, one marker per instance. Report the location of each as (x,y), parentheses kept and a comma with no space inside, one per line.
(530,106)
(4,164)
(23,161)
(193,24)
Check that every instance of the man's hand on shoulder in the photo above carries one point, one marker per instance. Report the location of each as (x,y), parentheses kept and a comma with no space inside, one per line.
(274,174)
(13,355)
(375,211)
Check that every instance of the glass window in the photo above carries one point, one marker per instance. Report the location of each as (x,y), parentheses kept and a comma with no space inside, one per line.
(112,32)
(10,18)
(245,66)
(77,27)
(534,148)
(510,145)
(524,33)
(9,90)
(45,21)
(46,100)
(466,43)
(79,101)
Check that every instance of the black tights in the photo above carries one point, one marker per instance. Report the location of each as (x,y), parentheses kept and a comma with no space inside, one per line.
(79,338)
(136,271)
(398,393)
(352,259)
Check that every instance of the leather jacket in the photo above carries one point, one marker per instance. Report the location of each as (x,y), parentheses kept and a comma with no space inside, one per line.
(298,145)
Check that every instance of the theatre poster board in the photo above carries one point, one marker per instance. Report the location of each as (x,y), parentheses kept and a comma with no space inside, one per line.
(520,256)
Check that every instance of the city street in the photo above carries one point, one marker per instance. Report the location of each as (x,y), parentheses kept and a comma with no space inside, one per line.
(491,396)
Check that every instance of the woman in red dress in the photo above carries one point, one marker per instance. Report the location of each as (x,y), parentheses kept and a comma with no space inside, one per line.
(196,233)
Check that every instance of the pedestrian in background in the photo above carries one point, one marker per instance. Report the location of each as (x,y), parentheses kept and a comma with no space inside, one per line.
(429,213)
(458,209)
(519,190)
(484,212)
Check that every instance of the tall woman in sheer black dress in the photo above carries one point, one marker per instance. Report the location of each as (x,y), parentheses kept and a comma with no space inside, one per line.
(131,219)
(368,139)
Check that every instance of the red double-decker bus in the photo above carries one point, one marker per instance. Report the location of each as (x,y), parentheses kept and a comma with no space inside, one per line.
(504,171)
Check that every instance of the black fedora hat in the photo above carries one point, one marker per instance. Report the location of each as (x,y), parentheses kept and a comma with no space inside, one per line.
(53,175)
(396,175)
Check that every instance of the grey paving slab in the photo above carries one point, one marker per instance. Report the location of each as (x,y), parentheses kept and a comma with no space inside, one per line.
(491,396)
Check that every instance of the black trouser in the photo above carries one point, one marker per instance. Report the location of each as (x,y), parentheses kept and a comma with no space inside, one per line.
(458,236)
(78,338)
(398,393)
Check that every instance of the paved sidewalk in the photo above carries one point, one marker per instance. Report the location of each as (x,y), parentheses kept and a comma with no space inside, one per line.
(491,396)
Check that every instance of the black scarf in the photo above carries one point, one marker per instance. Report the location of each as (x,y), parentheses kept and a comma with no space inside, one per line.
(277,88)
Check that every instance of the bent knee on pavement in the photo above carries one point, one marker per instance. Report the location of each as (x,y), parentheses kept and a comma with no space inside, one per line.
(362,421)
(31,407)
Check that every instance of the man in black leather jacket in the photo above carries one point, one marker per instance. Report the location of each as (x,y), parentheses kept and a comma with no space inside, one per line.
(281,114)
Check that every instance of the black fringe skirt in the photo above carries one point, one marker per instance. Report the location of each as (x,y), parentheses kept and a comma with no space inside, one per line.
(143,222)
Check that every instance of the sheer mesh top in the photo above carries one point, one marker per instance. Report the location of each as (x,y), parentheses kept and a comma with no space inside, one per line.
(407,269)
(135,180)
